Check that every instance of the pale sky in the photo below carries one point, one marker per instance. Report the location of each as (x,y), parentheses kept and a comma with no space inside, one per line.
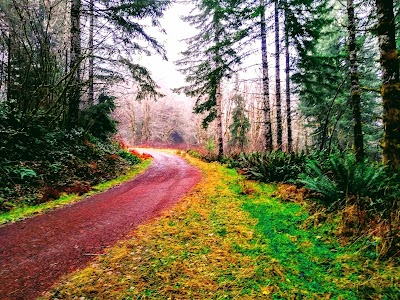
(165,72)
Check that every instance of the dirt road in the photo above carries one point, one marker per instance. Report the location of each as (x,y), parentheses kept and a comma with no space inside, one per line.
(35,252)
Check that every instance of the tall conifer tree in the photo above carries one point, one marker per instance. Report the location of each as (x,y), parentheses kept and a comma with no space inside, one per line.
(390,82)
(211,56)
(355,90)
(265,79)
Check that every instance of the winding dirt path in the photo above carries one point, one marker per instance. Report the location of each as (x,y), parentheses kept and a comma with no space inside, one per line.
(35,252)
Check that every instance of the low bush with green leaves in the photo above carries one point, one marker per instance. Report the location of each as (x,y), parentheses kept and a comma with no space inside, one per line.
(341,179)
(45,164)
(129,157)
(275,166)
(42,157)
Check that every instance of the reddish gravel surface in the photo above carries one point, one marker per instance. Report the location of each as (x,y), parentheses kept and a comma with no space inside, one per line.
(35,252)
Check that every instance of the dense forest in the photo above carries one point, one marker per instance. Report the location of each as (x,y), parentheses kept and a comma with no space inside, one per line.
(321,108)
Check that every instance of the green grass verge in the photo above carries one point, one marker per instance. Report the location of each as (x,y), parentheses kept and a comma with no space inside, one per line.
(25,211)
(230,239)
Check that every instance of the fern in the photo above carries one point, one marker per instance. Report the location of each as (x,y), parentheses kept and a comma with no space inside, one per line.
(271,167)
(342,178)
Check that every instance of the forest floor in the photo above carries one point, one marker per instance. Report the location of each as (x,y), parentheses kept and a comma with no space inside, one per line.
(230,238)
(35,252)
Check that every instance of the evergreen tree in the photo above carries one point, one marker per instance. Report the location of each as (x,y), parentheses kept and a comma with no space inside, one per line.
(265,79)
(75,64)
(278,78)
(390,82)
(240,124)
(211,56)
(355,90)
(287,80)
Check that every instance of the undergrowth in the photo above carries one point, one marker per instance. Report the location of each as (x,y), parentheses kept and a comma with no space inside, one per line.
(230,239)
(25,211)
(44,164)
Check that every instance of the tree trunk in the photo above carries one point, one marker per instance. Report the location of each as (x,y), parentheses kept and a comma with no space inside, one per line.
(9,67)
(390,86)
(75,61)
(218,90)
(266,102)
(218,98)
(278,80)
(355,90)
(287,78)
(91,52)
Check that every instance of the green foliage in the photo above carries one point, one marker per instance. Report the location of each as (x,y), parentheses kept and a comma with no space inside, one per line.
(194,153)
(342,178)
(97,119)
(210,146)
(276,166)
(129,157)
(42,162)
(213,53)
(240,124)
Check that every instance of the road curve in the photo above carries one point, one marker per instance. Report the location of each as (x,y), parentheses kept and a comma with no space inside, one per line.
(35,252)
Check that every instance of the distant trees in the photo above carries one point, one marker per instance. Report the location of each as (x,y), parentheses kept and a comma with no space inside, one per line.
(54,62)
(58,57)
(240,124)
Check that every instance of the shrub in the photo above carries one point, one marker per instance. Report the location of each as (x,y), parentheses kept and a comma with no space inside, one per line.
(271,167)
(129,157)
(341,179)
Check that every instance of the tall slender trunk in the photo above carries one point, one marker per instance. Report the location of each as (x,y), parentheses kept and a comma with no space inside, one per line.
(287,78)
(391,85)
(218,90)
(91,53)
(266,102)
(9,67)
(355,90)
(278,79)
(218,98)
(75,61)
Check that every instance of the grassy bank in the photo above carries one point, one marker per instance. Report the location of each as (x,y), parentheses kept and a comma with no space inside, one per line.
(24,211)
(230,239)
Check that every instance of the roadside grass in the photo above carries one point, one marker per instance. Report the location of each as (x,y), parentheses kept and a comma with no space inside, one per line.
(230,239)
(26,211)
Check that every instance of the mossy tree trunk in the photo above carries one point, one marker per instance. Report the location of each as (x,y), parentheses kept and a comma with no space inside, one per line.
(390,82)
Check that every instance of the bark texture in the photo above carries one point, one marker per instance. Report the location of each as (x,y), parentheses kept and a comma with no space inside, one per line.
(266,102)
(218,98)
(91,53)
(390,82)
(287,78)
(355,90)
(278,80)
(75,61)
